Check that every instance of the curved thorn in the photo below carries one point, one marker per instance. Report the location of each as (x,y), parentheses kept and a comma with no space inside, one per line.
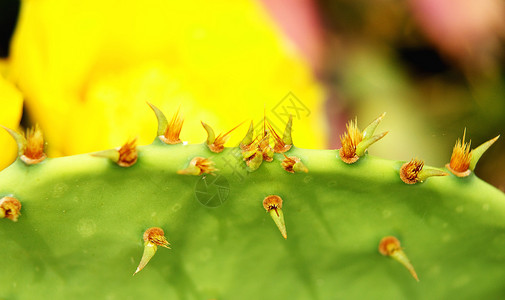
(477,152)
(390,246)
(149,251)
(278,217)
(370,129)
(19,138)
(211,137)
(415,171)
(427,172)
(162,120)
(364,144)
(153,237)
(249,137)
(402,258)
(300,167)
(286,137)
(273,205)
(111,154)
(124,156)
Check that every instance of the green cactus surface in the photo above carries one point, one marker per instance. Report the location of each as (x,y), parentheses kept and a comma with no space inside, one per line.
(80,232)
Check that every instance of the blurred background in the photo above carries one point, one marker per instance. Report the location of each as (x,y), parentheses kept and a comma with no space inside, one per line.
(83,71)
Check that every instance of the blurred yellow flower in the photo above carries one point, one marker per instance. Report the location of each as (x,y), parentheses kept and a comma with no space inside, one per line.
(87,68)
(11,103)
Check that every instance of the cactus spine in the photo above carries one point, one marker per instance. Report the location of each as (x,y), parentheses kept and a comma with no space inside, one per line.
(84,222)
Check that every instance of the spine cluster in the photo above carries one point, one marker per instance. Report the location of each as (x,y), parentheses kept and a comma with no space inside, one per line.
(255,150)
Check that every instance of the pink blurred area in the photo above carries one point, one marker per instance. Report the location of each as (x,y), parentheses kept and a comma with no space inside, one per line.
(467,31)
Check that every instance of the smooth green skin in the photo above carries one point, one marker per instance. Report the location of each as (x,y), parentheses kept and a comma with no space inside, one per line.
(80,232)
